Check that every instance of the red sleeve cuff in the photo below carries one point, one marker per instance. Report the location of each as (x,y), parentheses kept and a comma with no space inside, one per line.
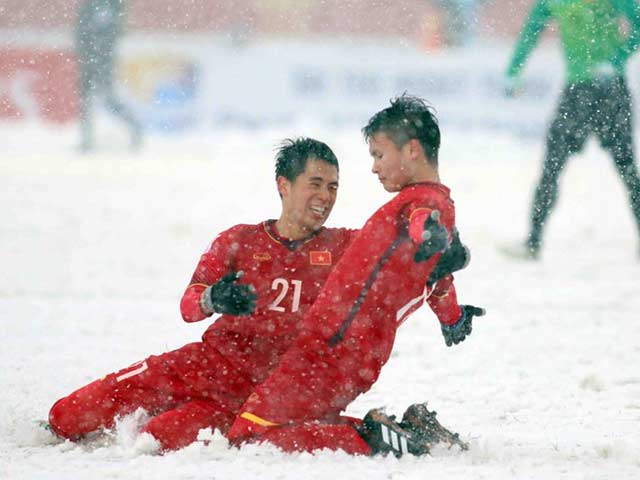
(444,301)
(190,305)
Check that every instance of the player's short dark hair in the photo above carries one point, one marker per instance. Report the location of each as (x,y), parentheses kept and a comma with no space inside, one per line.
(293,154)
(407,118)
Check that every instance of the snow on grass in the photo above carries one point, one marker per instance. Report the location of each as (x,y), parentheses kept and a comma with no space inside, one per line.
(96,252)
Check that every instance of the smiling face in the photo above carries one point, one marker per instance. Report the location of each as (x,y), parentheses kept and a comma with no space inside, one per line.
(307,201)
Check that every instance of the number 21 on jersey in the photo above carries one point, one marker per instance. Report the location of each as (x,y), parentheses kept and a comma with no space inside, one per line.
(282,286)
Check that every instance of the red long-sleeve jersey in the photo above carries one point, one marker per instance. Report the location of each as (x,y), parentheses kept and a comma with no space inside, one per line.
(287,276)
(348,333)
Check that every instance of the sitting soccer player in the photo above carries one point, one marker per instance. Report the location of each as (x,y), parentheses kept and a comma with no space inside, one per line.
(262,279)
(348,333)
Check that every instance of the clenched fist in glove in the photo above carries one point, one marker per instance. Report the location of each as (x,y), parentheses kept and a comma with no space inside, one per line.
(455,258)
(456,333)
(435,238)
(228,297)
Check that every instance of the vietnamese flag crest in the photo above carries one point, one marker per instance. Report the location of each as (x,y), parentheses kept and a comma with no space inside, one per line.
(320,258)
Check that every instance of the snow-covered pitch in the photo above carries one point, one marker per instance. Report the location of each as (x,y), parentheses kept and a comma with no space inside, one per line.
(95,253)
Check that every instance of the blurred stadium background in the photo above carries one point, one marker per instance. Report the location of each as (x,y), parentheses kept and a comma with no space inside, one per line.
(201,64)
(410,19)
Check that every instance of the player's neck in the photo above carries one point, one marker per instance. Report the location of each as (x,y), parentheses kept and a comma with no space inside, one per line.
(287,229)
(426,175)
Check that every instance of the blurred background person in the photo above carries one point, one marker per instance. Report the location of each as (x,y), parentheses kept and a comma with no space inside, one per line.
(98,29)
(460,17)
(595,98)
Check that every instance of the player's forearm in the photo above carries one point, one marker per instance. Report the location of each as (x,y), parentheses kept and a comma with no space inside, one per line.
(443,301)
(535,24)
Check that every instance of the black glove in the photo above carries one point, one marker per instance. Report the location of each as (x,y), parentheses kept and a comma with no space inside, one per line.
(435,238)
(227,296)
(457,332)
(455,258)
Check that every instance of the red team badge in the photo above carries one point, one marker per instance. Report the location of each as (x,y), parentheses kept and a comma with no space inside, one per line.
(320,258)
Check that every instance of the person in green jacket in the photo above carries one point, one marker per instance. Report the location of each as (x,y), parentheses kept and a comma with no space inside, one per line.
(595,98)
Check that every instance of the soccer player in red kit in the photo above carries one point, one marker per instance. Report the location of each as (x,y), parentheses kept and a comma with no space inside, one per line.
(347,335)
(262,279)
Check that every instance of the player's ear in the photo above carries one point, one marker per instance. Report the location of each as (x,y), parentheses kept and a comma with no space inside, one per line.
(416,150)
(284,186)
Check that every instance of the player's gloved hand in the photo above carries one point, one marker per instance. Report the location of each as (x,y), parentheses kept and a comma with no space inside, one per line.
(435,238)
(455,258)
(456,333)
(512,87)
(228,297)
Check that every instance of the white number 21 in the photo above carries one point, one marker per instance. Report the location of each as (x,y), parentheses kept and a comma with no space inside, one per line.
(283,286)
